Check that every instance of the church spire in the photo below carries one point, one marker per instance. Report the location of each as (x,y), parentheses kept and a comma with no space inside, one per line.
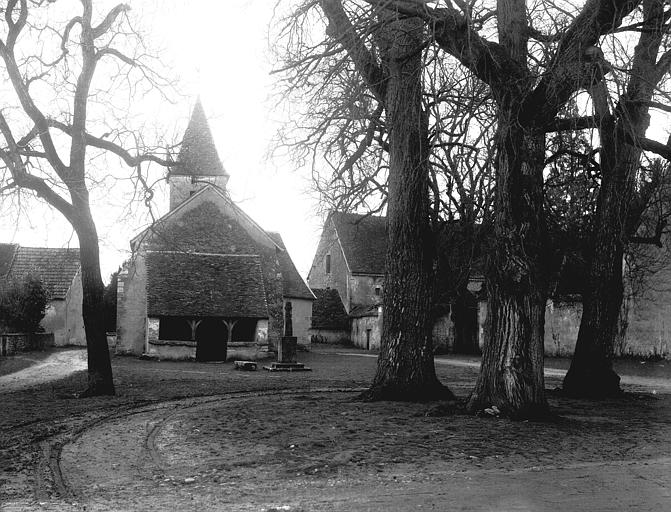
(198,155)
(198,164)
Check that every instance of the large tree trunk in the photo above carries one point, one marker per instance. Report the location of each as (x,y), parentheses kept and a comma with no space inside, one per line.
(100,380)
(511,375)
(406,368)
(591,373)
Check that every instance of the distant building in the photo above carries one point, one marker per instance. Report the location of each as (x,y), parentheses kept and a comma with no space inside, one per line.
(59,270)
(350,261)
(206,282)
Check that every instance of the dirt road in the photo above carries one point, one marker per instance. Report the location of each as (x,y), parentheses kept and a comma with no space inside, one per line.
(267,442)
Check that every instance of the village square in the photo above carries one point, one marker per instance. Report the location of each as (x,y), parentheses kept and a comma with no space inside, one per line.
(452,292)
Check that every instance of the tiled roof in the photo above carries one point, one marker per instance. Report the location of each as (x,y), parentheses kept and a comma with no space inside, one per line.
(364,241)
(202,229)
(292,283)
(6,256)
(328,311)
(56,267)
(205,285)
(362,310)
(198,155)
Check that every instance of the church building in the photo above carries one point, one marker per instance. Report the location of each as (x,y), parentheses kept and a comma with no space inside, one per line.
(205,281)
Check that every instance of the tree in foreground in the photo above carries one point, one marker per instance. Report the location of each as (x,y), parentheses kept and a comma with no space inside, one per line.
(376,59)
(621,201)
(531,76)
(47,142)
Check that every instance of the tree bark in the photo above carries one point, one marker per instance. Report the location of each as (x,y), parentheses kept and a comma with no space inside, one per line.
(406,368)
(100,381)
(511,376)
(591,373)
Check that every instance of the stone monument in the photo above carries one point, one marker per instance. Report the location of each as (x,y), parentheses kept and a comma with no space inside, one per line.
(286,347)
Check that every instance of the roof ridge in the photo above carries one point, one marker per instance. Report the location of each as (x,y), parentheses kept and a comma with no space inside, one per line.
(196,253)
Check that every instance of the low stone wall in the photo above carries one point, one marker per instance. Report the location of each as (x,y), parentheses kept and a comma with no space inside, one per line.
(186,350)
(333,336)
(247,350)
(562,322)
(172,350)
(11,343)
(443,335)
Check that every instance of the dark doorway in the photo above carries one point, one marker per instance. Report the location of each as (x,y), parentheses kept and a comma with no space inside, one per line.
(465,318)
(368,339)
(211,338)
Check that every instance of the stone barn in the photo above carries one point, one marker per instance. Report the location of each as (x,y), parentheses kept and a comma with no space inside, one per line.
(206,282)
(59,270)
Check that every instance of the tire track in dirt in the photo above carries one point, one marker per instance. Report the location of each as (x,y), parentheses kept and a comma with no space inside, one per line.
(55,480)
(131,440)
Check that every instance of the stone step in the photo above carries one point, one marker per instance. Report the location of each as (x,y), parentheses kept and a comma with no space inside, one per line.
(287,367)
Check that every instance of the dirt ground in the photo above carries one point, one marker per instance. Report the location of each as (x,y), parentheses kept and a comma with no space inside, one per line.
(193,436)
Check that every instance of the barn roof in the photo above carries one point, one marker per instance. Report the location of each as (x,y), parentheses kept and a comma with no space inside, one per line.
(364,241)
(56,267)
(205,285)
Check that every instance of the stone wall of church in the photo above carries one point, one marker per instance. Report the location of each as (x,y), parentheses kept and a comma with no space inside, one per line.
(301,315)
(132,306)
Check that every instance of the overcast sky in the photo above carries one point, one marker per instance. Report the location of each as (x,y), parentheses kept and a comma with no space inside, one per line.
(219,51)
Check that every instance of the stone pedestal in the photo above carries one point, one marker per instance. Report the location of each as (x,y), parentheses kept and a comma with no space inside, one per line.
(286,349)
(286,357)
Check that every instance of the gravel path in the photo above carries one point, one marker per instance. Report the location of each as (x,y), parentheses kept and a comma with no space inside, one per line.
(55,366)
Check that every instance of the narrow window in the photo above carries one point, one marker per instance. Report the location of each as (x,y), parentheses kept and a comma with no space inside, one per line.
(328,263)
(378,290)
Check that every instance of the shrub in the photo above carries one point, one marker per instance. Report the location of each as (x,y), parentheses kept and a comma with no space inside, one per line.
(22,304)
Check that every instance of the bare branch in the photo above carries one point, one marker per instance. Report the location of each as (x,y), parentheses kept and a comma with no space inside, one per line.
(106,24)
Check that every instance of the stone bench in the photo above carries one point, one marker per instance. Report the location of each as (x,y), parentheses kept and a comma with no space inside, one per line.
(249,366)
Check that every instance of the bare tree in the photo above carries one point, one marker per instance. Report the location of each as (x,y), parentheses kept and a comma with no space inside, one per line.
(368,118)
(54,93)
(622,133)
(531,76)
(346,125)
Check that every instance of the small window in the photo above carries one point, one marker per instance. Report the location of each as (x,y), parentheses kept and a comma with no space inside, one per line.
(328,263)
(378,291)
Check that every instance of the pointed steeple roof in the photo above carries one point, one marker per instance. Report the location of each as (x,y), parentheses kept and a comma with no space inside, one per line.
(198,155)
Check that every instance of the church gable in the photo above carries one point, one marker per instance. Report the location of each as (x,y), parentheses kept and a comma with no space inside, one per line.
(220,206)
(203,229)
